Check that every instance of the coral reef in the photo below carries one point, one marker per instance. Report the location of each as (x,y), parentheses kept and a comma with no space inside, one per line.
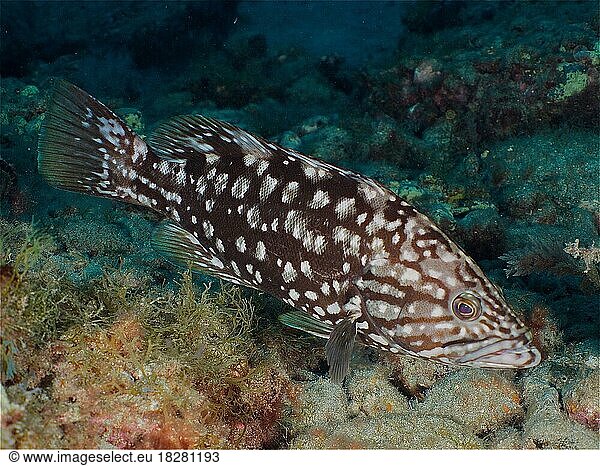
(525,193)
(466,408)
(22,113)
(414,376)
(318,405)
(508,438)
(371,413)
(371,394)
(493,86)
(118,362)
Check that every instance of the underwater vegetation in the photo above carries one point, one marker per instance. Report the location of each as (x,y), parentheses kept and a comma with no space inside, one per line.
(484,117)
(117,363)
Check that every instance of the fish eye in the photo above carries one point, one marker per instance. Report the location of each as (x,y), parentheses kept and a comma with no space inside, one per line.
(466,306)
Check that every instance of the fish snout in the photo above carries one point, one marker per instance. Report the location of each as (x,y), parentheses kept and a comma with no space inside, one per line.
(515,353)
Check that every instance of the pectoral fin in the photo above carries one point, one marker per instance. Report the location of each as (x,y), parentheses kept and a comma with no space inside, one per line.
(302,321)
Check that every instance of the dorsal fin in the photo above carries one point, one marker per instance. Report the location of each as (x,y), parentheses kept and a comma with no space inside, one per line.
(189,136)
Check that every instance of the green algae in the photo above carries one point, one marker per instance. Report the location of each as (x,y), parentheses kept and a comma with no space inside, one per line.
(21,247)
(115,350)
(575,83)
(123,340)
(209,331)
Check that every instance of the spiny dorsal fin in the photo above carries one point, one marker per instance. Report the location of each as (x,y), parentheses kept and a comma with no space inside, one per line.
(189,137)
(302,321)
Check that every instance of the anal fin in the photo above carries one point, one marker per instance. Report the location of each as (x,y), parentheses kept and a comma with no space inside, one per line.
(182,248)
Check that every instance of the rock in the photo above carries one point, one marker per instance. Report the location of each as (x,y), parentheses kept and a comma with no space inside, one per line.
(414,375)
(409,431)
(371,393)
(29,91)
(508,438)
(321,404)
(481,400)
(546,426)
(482,231)
(582,400)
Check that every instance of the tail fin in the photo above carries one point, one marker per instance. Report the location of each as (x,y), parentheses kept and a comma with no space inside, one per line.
(84,147)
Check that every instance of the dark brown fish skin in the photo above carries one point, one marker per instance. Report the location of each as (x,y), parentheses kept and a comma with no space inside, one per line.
(325,240)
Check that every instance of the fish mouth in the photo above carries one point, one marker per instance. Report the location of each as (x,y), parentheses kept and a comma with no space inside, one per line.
(514,353)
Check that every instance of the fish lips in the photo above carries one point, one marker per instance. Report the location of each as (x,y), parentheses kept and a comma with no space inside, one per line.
(514,353)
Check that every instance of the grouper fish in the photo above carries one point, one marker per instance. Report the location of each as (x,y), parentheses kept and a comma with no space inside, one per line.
(353,259)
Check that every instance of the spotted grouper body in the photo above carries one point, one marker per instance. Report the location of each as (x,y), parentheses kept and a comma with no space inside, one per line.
(346,252)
